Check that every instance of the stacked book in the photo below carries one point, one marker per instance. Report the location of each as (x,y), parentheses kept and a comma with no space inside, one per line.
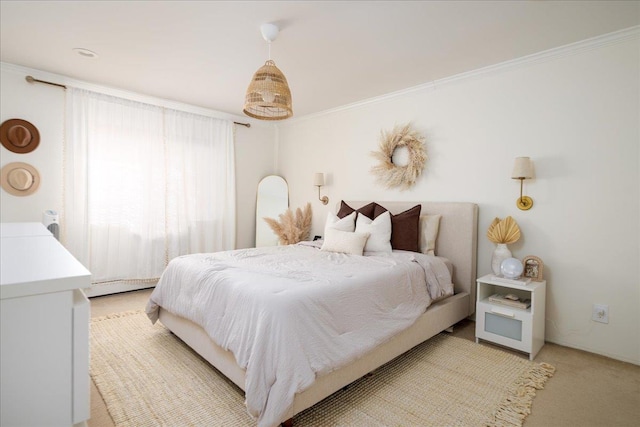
(511,302)
(519,281)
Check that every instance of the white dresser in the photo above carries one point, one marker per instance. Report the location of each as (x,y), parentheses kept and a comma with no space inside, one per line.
(44,330)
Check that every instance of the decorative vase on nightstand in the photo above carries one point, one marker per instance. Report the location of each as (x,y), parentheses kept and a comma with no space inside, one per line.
(500,253)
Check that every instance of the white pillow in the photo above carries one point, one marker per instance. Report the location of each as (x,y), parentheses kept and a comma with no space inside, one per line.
(346,242)
(380,230)
(348,223)
(429,226)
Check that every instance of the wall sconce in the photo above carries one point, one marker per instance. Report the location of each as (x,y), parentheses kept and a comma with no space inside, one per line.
(523,169)
(318,181)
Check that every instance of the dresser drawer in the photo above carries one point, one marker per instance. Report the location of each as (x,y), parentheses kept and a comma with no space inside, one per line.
(504,325)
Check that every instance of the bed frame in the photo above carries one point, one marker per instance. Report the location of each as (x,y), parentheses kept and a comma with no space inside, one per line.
(457,241)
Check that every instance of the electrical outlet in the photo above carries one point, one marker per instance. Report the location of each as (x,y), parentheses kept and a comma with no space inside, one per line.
(600,313)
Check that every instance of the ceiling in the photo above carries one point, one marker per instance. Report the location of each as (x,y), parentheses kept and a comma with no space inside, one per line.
(333,53)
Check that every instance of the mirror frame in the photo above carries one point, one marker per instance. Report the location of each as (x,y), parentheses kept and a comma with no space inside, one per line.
(264,234)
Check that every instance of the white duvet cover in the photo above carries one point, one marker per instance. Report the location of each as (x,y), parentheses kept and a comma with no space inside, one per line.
(291,313)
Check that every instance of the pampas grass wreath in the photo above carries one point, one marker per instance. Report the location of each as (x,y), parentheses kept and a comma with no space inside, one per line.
(391,175)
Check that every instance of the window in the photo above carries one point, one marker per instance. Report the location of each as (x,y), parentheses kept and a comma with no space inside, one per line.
(144,184)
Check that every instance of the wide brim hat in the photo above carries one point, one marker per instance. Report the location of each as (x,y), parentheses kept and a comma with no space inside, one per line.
(19,136)
(19,179)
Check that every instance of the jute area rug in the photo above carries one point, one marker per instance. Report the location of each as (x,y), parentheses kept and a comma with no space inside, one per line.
(148,377)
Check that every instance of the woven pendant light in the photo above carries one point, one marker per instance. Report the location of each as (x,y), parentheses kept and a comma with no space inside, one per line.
(268,96)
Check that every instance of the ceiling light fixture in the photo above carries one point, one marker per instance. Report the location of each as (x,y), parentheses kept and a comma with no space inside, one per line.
(268,96)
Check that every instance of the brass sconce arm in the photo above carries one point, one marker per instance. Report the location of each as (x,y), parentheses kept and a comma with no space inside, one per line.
(524,203)
(323,199)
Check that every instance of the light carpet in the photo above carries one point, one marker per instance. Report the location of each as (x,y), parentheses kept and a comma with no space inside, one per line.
(148,377)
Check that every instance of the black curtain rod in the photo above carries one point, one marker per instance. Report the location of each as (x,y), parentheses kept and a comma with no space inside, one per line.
(30,79)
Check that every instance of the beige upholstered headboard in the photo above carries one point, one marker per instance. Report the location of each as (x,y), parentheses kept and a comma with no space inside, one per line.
(457,238)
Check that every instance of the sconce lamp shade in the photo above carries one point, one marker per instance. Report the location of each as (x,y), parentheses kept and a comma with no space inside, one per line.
(522,168)
(268,96)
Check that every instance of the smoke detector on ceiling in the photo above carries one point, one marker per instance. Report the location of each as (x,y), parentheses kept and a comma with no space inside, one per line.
(85,52)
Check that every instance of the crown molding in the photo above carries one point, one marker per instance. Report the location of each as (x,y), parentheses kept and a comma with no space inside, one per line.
(547,55)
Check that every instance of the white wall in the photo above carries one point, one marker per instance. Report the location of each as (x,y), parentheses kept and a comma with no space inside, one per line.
(255,159)
(43,105)
(575,113)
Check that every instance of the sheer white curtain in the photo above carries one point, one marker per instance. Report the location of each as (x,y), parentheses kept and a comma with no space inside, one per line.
(200,185)
(144,184)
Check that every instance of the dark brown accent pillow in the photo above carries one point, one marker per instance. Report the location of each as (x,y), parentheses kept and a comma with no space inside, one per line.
(344,210)
(405,228)
(378,210)
(366,210)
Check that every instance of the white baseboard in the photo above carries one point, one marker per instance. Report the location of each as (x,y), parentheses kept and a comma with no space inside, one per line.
(115,288)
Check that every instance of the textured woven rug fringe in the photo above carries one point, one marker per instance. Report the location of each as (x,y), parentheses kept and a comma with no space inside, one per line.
(514,408)
(116,315)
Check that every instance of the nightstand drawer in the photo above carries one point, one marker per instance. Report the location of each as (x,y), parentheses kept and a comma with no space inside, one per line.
(504,325)
(507,326)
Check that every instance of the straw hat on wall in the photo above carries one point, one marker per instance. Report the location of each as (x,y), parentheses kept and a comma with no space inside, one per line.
(19,179)
(19,136)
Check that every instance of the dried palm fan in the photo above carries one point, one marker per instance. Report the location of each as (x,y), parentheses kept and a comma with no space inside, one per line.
(292,228)
(504,231)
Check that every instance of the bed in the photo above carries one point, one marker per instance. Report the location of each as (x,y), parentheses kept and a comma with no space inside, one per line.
(456,241)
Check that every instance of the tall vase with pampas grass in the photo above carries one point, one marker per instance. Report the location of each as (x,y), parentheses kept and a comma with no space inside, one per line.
(292,228)
(502,233)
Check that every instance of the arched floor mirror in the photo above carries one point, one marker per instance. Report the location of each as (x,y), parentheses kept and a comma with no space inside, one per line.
(272,200)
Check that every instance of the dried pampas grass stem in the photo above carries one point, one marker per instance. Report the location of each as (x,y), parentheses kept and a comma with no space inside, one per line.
(292,228)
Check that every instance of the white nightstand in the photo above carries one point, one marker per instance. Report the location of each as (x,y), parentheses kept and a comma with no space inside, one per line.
(519,329)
